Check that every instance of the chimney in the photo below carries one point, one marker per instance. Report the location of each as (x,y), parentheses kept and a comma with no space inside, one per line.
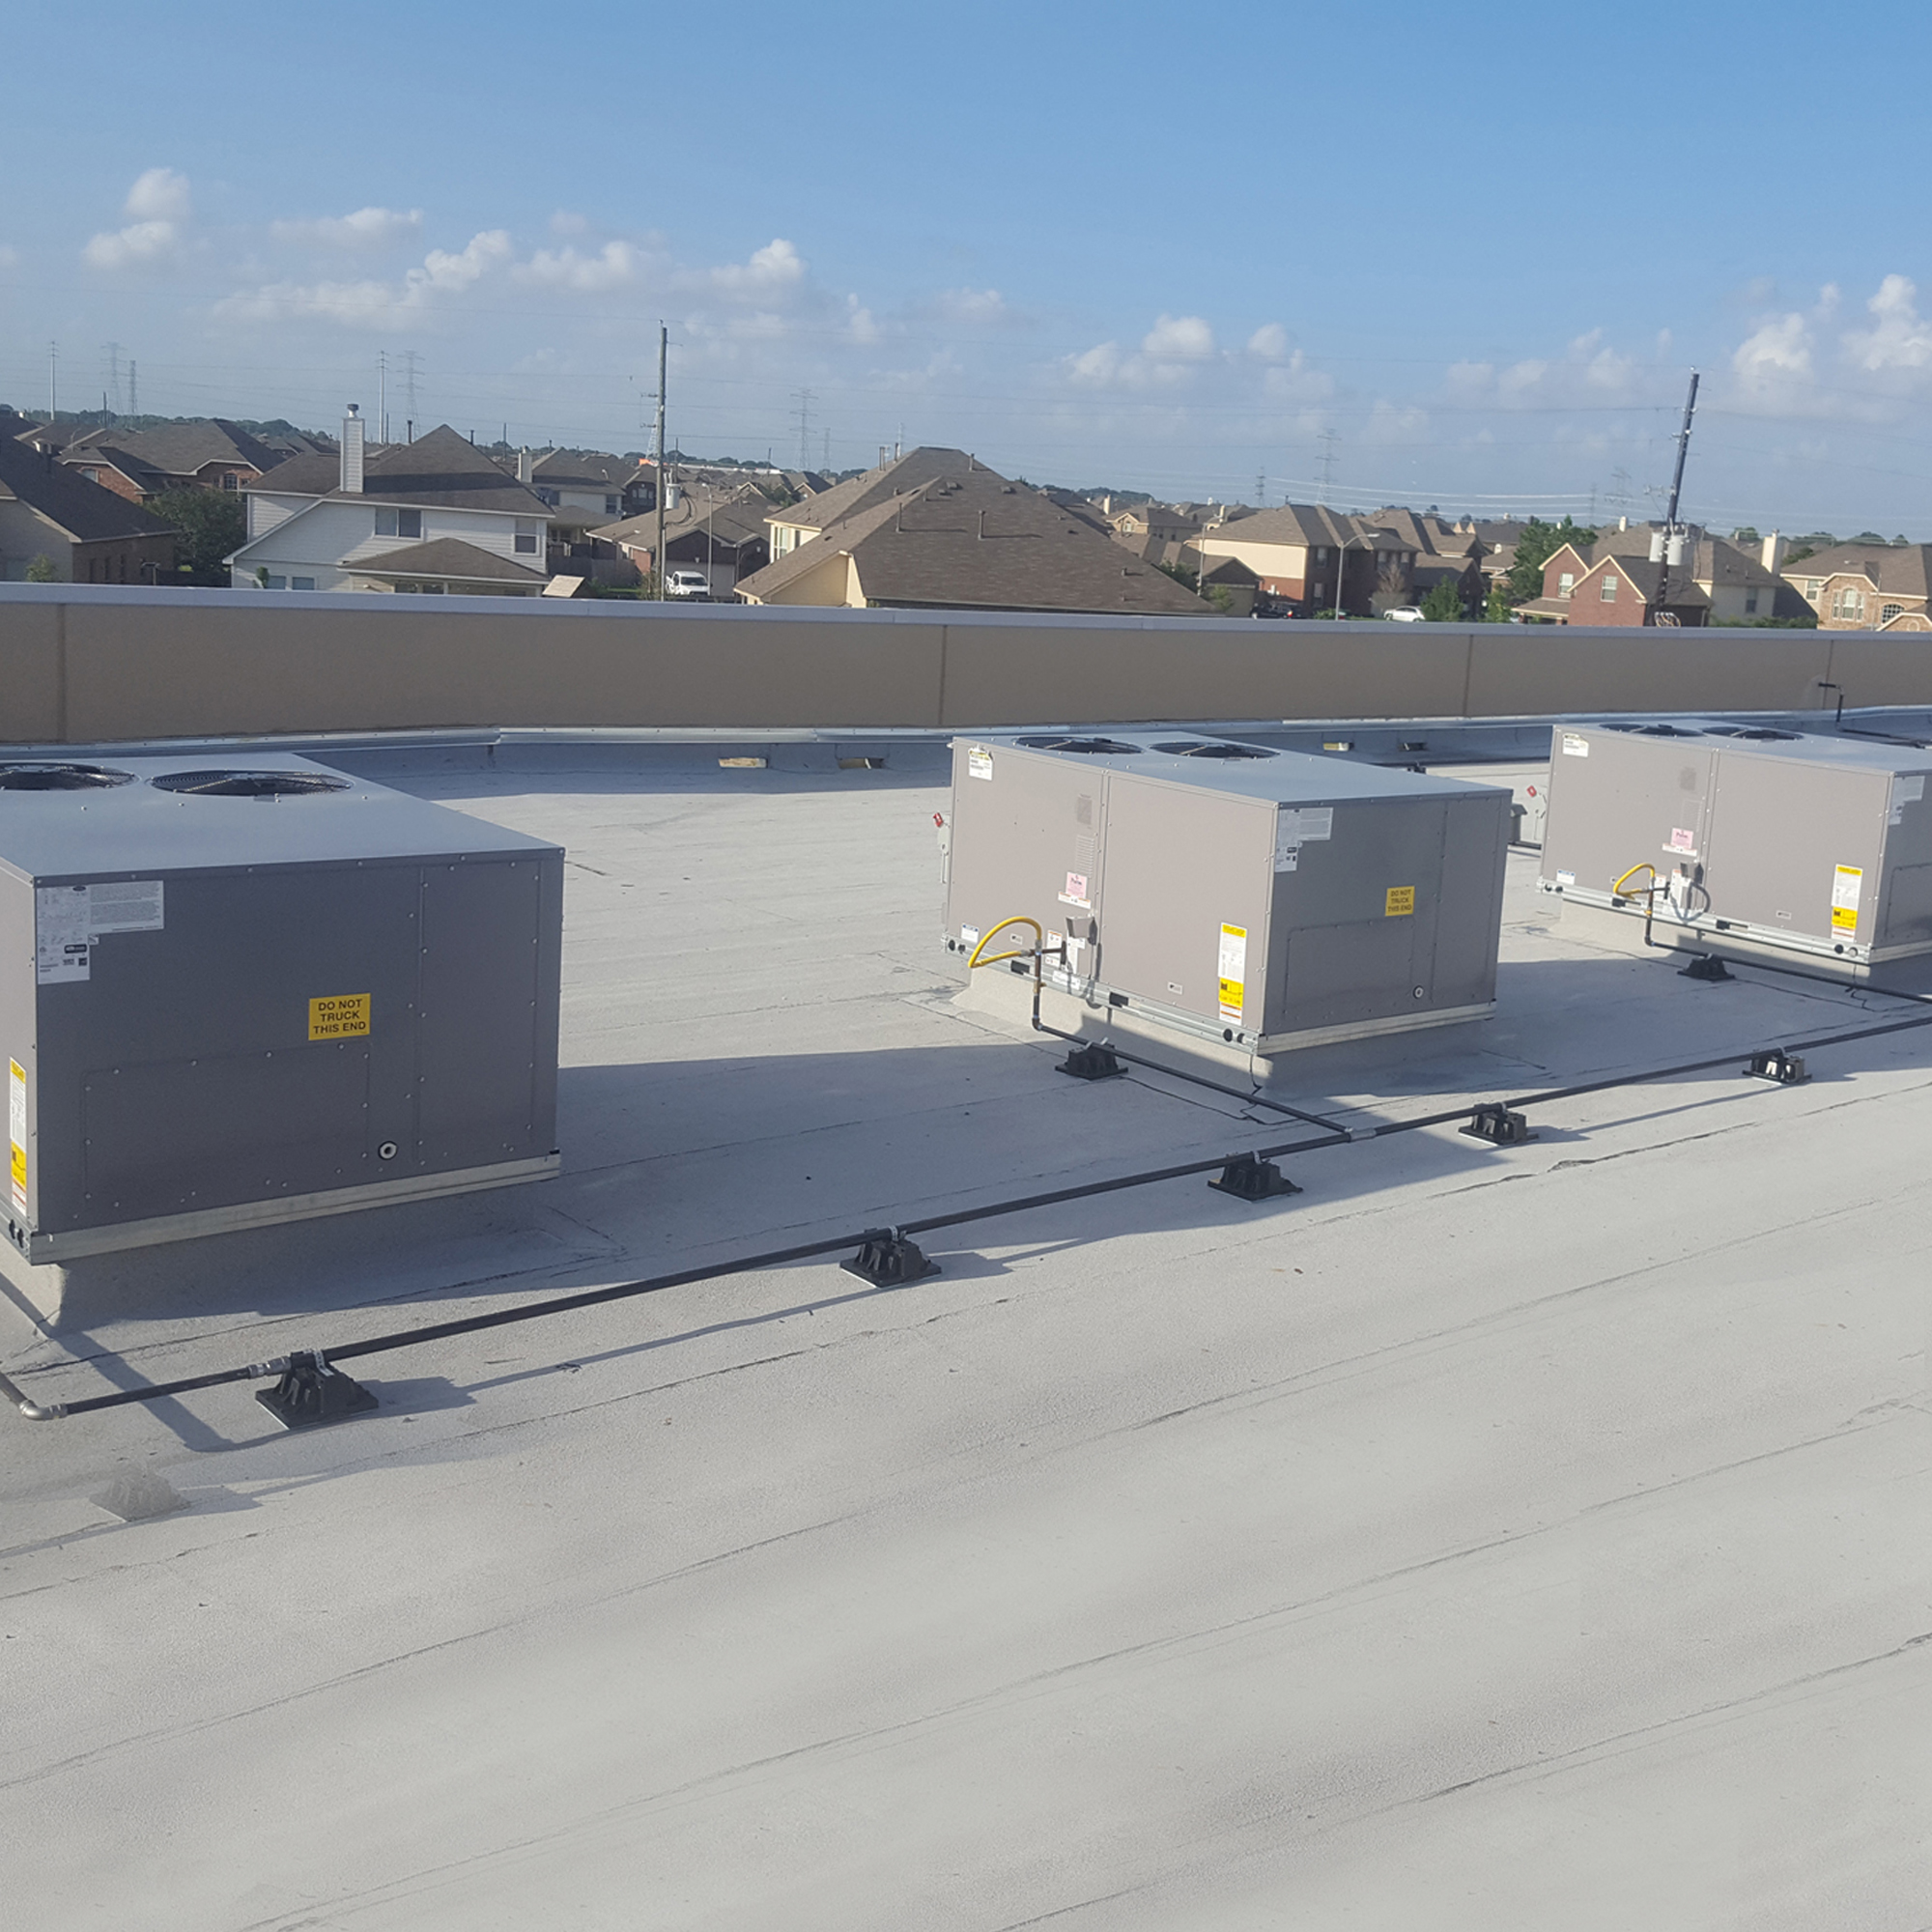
(1772,556)
(525,464)
(351,451)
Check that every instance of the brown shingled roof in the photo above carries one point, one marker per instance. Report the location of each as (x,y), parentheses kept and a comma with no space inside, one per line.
(441,469)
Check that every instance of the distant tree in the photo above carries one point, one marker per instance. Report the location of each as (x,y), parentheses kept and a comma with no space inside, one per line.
(1535,546)
(1869,536)
(42,570)
(1745,534)
(1444,603)
(1897,541)
(1180,574)
(1798,554)
(208,524)
(1221,597)
(1496,606)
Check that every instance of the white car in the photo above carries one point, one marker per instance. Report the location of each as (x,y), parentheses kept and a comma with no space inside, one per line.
(686,583)
(1404,613)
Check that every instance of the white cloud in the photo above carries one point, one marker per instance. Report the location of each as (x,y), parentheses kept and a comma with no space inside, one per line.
(1294,382)
(160,204)
(1179,339)
(616,265)
(983,307)
(367,228)
(9,258)
(1269,342)
(566,222)
(1521,376)
(859,322)
(775,267)
(1898,337)
(160,195)
(1098,367)
(1389,424)
(367,305)
(1777,353)
(1607,370)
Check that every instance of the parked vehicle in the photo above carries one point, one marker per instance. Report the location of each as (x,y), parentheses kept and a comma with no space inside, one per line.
(1405,614)
(688,584)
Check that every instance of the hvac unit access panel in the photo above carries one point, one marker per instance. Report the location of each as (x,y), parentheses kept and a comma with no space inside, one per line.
(1241,893)
(225,1009)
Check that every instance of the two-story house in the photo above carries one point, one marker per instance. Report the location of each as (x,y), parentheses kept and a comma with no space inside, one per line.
(435,516)
(52,517)
(1867,587)
(212,454)
(1314,560)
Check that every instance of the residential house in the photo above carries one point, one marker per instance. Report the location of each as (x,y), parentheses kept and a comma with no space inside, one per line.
(1301,552)
(799,523)
(436,515)
(721,531)
(214,454)
(1445,552)
(1867,587)
(584,488)
(1621,590)
(1734,586)
(965,539)
(87,534)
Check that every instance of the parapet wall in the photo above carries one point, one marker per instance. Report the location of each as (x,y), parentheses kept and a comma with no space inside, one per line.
(81,665)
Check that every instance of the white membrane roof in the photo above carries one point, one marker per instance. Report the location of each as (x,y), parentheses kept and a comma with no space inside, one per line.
(1482,1537)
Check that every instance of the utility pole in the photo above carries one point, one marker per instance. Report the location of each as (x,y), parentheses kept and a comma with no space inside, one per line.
(53,384)
(663,354)
(112,351)
(381,395)
(1673,537)
(133,393)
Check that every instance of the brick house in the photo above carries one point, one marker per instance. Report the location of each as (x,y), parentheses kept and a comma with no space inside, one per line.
(87,534)
(1298,552)
(1863,586)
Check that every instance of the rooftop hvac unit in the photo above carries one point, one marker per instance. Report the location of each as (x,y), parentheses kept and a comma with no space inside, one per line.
(230,997)
(1744,840)
(1260,898)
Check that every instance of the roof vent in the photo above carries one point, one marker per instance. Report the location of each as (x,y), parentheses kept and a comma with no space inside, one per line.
(60,778)
(1757,733)
(1196,748)
(1098,748)
(1658,731)
(250,785)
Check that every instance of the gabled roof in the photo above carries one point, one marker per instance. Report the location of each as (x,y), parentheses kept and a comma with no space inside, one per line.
(974,541)
(917,467)
(108,456)
(1683,589)
(732,517)
(447,557)
(581,469)
(1297,525)
(1899,569)
(183,448)
(84,510)
(439,469)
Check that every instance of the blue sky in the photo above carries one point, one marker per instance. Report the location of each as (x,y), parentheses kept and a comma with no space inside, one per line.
(1469,259)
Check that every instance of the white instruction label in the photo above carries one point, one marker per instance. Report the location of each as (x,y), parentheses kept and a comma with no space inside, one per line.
(61,933)
(1574,747)
(1076,893)
(979,762)
(124,905)
(17,1132)
(1297,827)
(1233,971)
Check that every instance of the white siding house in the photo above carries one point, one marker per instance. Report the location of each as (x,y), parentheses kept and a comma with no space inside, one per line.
(434,515)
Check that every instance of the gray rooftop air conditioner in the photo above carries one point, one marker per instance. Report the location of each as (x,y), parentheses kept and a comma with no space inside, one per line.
(1259,898)
(231,996)
(1744,840)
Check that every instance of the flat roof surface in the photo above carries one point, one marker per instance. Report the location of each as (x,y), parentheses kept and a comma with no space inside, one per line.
(138,826)
(1482,1537)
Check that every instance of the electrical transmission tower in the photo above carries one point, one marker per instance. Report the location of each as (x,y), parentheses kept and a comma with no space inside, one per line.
(112,399)
(1328,440)
(803,398)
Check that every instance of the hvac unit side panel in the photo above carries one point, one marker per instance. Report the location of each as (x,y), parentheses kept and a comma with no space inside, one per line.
(179,1035)
(19,1026)
(1780,832)
(1904,906)
(484,1021)
(1182,863)
(1468,928)
(1629,801)
(1020,837)
(1356,920)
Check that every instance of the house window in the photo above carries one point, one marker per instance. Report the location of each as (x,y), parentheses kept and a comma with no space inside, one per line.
(1812,587)
(92,476)
(1890,611)
(548,497)
(1750,603)
(398,522)
(1566,583)
(1848,604)
(229,480)
(278,582)
(1321,553)
(1607,590)
(528,531)
(1318,592)
(302,584)
(610,506)
(435,589)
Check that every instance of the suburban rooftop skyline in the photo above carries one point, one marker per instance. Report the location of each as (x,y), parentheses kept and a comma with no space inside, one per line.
(1345,252)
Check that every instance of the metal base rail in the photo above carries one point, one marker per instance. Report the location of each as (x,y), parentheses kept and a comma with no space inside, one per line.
(1245,1160)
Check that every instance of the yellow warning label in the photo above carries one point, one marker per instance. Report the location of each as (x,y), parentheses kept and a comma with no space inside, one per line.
(1400,899)
(1845,882)
(1233,971)
(16,1132)
(340,1016)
